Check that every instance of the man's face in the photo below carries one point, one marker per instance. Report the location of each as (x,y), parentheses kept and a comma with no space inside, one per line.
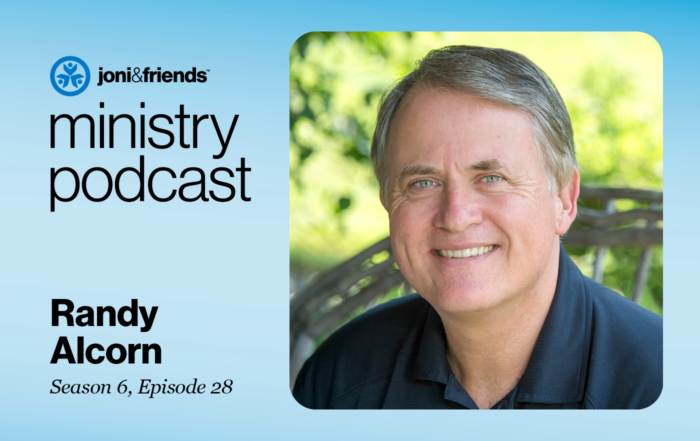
(464,175)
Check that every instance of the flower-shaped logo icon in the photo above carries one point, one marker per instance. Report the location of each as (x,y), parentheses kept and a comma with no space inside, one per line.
(70,76)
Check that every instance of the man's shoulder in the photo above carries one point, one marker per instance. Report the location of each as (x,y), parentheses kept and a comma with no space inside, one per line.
(383,323)
(360,353)
(626,360)
(372,339)
(623,317)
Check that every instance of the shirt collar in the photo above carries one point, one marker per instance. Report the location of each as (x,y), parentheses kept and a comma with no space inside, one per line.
(557,368)
(431,360)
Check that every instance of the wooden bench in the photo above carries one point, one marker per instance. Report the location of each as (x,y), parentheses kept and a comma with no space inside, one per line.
(599,234)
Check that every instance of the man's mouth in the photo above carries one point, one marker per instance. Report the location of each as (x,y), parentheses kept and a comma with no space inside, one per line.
(469,252)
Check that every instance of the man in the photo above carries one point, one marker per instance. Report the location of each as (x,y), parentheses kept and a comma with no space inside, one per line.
(475,159)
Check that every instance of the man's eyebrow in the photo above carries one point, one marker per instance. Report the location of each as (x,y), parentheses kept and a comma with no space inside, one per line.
(412,170)
(490,165)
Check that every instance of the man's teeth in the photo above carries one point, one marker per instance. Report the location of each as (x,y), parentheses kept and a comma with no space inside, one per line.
(469,252)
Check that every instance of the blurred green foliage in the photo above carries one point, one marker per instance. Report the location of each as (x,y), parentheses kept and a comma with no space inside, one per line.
(611,84)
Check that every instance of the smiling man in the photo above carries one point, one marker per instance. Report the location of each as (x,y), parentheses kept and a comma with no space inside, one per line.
(475,159)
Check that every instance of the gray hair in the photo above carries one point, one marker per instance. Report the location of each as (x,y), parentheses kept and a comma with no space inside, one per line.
(501,76)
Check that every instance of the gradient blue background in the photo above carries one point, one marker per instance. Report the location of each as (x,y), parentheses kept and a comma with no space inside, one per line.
(219,272)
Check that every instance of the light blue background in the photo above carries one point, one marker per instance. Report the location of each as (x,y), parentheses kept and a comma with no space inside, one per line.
(219,272)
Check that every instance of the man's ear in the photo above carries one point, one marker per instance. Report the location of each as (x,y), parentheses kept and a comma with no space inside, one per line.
(566,206)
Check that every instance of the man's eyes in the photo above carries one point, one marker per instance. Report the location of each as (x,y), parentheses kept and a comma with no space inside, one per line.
(427,183)
(423,183)
(491,179)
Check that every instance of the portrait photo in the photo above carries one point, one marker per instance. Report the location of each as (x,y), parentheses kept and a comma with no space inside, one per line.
(476,220)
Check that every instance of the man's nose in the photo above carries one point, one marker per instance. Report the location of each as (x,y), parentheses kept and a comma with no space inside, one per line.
(459,209)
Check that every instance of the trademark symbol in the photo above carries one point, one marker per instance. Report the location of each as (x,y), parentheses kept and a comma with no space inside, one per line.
(207,70)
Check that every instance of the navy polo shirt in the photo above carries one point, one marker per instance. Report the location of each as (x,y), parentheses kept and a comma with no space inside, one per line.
(596,350)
